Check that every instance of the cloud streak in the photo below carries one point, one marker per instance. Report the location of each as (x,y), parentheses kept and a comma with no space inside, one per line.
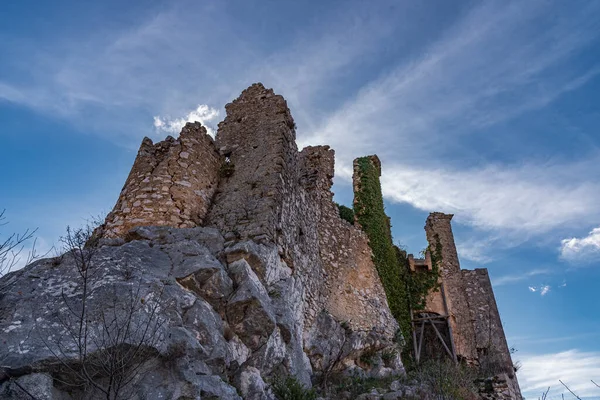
(529,199)
(509,279)
(574,367)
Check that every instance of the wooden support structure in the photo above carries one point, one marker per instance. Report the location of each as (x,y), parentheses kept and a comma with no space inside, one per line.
(443,321)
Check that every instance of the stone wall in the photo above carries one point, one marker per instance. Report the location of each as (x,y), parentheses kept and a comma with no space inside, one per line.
(354,291)
(257,138)
(439,232)
(171,183)
(474,317)
(492,349)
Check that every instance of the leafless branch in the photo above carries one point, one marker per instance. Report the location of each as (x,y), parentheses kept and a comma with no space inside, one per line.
(562,383)
(11,249)
(103,349)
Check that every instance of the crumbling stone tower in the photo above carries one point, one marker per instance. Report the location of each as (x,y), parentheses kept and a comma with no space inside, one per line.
(258,141)
(466,300)
(171,183)
(439,233)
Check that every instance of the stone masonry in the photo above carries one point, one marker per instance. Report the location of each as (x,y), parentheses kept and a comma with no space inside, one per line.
(274,207)
(257,139)
(492,350)
(354,289)
(468,299)
(439,232)
(171,183)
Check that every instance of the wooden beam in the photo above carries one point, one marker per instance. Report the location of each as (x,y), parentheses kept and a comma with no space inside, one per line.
(420,341)
(428,318)
(441,339)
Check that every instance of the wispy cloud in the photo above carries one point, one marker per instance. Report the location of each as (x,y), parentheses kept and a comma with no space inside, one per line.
(475,250)
(475,76)
(544,289)
(586,248)
(467,80)
(508,279)
(203,114)
(574,367)
(526,198)
(166,64)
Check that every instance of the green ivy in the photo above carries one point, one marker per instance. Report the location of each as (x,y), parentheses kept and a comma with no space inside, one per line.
(346,213)
(404,290)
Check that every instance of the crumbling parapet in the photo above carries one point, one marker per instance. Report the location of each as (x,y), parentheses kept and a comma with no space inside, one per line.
(439,234)
(171,184)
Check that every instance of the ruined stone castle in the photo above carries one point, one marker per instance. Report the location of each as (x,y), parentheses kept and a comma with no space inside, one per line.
(265,276)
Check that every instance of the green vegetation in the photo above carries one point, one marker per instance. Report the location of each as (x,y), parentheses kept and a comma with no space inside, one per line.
(346,213)
(446,379)
(289,388)
(404,290)
(370,214)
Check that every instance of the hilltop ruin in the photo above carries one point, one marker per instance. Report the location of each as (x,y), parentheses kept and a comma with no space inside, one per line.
(265,277)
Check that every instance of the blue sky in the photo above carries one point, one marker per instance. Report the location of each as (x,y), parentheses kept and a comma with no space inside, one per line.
(488,110)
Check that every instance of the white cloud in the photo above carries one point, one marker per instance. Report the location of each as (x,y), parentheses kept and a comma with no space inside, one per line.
(526,199)
(508,279)
(475,250)
(203,114)
(574,367)
(542,289)
(581,249)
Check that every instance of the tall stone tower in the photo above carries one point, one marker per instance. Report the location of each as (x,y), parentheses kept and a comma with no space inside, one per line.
(439,233)
(258,141)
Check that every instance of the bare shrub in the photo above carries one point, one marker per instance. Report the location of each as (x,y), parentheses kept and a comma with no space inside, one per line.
(100,349)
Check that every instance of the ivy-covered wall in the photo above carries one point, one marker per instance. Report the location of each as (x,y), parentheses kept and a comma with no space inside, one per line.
(370,214)
(404,290)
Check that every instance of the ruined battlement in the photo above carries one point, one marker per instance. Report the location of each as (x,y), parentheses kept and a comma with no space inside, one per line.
(272,202)
(171,183)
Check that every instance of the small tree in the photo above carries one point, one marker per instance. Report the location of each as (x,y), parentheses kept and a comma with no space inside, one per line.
(105,346)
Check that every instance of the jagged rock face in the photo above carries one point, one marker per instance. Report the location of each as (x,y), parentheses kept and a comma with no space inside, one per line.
(171,184)
(217,319)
